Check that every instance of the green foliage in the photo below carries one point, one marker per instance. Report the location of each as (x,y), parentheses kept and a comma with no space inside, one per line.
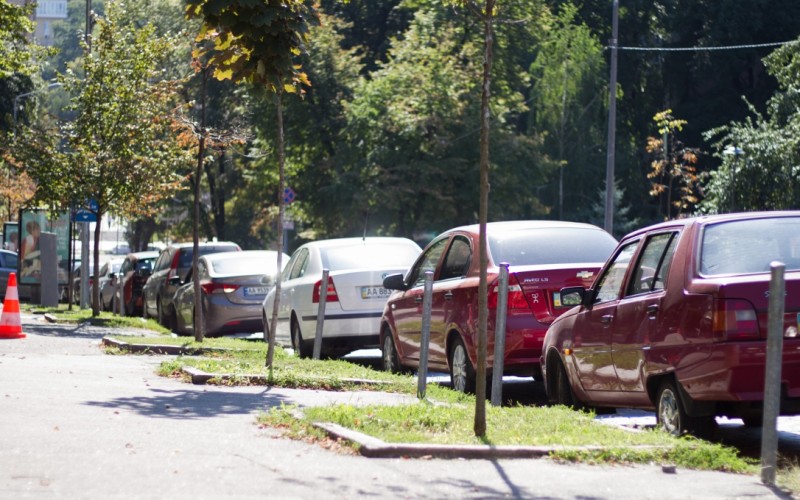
(765,170)
(17,53)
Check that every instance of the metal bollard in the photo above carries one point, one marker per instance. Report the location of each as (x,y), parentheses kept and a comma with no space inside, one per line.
(500,337)
(427,301)
(323,299)
(772,375)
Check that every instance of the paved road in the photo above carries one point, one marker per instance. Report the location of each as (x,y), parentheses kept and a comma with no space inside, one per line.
(75,423)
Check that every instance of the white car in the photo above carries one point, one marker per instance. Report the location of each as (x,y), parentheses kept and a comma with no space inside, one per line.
(355,295)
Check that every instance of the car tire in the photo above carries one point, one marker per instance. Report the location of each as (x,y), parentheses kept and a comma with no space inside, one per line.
(563,394)
(671,415)
(391,361)
(462,374)
(301,347)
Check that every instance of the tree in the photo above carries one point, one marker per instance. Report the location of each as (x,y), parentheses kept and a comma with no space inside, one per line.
(123,141)
(674,177)
(258,42)
(764,170)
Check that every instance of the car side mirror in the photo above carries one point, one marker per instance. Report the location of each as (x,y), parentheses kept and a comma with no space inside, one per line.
(175,281)
(573,296)
(394,282)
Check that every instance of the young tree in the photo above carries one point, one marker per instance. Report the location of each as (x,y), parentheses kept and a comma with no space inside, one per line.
(258,42)
(123,147)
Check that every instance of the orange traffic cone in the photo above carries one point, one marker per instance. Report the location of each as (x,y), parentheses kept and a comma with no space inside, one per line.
(10,321)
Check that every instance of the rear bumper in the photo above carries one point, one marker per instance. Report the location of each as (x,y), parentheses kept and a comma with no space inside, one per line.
(735,372)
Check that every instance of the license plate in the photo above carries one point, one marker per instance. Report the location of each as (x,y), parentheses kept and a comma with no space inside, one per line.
(249,291)
(374,292)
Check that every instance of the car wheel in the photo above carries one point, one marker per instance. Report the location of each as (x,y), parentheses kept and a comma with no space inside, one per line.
(563,394)
(300,346)
(672,417)
(462,374)
(391,361)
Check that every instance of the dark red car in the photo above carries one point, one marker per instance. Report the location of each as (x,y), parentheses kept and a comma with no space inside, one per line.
(544,256)
(677,322)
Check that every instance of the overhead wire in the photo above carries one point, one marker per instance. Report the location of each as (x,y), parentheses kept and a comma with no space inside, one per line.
(701,48)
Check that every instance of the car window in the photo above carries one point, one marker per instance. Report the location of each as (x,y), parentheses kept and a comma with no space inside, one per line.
(557,245)
(456,262)
(11,261)
(611,282)
(299,267)
(202,270)
(162,261)
(749,246)
(144,265)
(653,265)
(126,266)
(373,256)
(428,262)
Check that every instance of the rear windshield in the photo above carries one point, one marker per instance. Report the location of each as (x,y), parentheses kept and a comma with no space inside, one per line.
(374,256)
(749,246)
(185,259)
(245,266)
(558,245)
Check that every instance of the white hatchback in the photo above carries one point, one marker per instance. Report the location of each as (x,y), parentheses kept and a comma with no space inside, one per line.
(355,294)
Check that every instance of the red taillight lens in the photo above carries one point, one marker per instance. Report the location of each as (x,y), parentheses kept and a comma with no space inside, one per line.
(735,320)
(210,287)
(332,295)
(516,298)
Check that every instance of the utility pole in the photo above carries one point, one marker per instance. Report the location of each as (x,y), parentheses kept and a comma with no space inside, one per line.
(612,120)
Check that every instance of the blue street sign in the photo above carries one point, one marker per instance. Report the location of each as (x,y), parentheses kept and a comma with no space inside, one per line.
(84,216)
(288,195)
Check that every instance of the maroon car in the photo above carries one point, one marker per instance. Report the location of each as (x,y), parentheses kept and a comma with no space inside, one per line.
(677,322)
(544,256)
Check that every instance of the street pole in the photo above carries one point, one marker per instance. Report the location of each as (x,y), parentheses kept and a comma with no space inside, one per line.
(612,120)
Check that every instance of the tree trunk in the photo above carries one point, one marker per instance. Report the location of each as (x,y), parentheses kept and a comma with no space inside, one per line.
(483,311)
(273,324)
(197,320)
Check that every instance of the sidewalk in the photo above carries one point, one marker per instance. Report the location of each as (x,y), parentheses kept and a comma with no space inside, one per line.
(77,423)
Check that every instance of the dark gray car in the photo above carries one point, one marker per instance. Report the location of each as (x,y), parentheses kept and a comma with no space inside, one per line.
(175,261)
(8,264)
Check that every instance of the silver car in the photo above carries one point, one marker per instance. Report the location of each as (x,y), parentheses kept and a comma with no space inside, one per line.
(355,295)
(233,286)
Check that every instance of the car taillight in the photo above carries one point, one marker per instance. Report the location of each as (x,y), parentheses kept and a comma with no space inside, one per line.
(735,320)
(210,287)
(332,296)
(516,297)
(173,268)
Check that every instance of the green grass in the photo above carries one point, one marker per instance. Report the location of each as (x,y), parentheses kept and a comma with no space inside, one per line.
(445,417)
(76,315)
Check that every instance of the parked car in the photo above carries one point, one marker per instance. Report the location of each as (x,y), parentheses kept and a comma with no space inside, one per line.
(8,265)
(543,256)
(233,285)
(76,282)
(133,273)
(174,261)
(676,322)
(354,295)
(106,282)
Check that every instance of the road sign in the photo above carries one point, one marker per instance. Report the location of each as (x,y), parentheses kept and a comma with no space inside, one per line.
(288,195)
(84,216)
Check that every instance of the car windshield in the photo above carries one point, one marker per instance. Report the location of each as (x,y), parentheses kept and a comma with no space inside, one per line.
(558,245)
(371,256)
(749,246)
(244,267)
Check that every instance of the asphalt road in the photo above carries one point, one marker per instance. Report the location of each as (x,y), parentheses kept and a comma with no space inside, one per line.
(75,423)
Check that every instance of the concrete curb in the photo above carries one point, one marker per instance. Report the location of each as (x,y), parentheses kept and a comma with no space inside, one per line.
(200,377)
(372,447)
(161,348)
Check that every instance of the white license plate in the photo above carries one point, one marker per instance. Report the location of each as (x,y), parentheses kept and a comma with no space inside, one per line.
(255,290)
(375,292)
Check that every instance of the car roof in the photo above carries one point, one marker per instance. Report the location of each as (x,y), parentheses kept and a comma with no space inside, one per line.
(521,224)
(143,255)
(714,218)
(187,244)
(239,255)
(369,240)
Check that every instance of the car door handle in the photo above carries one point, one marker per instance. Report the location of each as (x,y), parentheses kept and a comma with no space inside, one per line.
(652,309)
(418,298)
(606,320)
(448,296)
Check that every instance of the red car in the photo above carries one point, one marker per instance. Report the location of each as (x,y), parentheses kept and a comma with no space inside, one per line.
(677,322)
(544,256)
